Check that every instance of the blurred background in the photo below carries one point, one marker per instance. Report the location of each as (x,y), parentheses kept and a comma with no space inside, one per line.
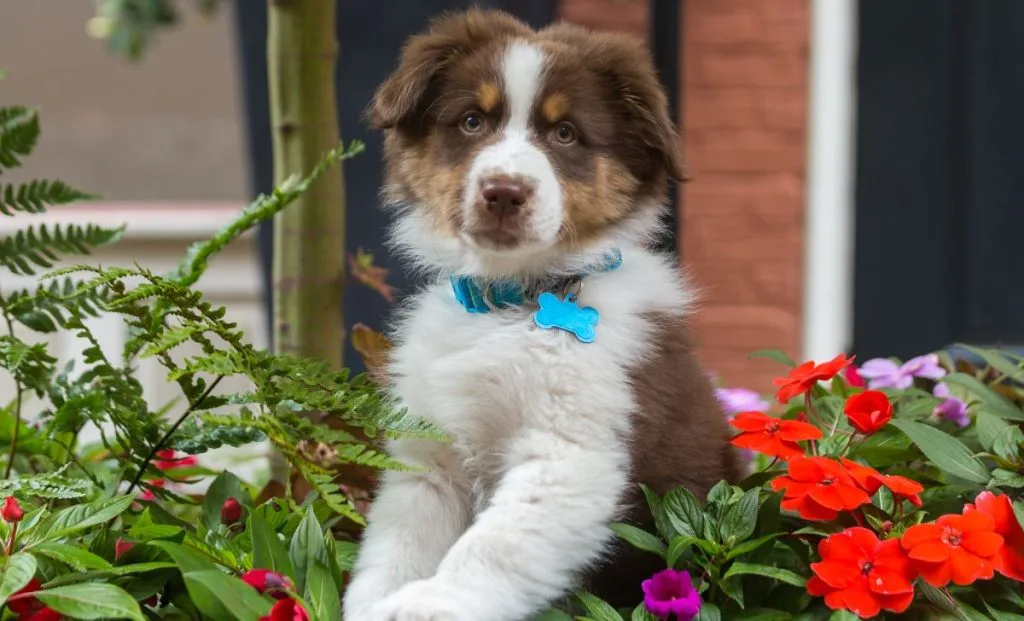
(857,165)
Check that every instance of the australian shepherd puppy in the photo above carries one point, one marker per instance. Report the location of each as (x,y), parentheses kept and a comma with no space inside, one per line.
(528,169)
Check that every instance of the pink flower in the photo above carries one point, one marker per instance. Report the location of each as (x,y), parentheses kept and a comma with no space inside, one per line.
(148,495)
(951,408)
(884,373)
(853,377)
(736,400)
(671,592)
(287,610)
(269,582)
(168,460)
(122,547)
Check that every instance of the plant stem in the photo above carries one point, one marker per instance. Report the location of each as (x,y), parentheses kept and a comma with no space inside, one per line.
(309,247)
(16,419)
(170,432)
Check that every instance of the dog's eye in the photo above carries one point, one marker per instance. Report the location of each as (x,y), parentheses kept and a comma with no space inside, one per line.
(565,133)
(472,123)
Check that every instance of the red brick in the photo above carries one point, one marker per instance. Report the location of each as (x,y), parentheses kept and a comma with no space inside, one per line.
(624,15)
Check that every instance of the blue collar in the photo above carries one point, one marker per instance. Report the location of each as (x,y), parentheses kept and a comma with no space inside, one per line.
(478,295)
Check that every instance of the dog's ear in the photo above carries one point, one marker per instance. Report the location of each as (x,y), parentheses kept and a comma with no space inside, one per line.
(425,57)
(627,65)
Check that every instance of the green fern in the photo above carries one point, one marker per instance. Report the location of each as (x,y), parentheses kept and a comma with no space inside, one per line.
(41,246)
(19,130)
(329,491)
(31,365)
(46,308)
(51,485)
(36,195)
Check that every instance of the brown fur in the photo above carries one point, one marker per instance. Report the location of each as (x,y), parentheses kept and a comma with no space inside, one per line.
(680,437)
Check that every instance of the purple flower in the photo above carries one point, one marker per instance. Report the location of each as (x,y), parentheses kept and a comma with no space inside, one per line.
(736,400)
(884,373)
(951,408)
(671,592)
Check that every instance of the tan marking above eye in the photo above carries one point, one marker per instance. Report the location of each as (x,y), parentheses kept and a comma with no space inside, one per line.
(554,107)
(489,96)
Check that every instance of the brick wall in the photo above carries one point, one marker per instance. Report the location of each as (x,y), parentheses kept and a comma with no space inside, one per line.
(744,125)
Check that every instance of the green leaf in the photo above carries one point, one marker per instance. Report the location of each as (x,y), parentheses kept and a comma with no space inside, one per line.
(346,553)
(225,485)
(751,545)
(991,400)
(307,548)
(268,551)
(17,572)
(80,517)
(946,452)
(92,600)
(142,568)
(552,614)
(740,519)
(657,506)
(640,613)
(1018,510)
(73,556)
(989,427)
(221,596)
(596,608)
(709,612)
(776,573)
(1008,444)
(764,614)
(685,514)
(34,196)
(843,615)
(774,354)
(188,560)
(997,361)
(683,543)
(322,593)
(639,539)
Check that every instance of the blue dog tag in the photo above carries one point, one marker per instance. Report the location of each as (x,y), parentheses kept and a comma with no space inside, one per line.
(566,315)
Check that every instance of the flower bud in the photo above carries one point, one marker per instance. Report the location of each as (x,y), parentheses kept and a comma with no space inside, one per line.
(11,511)
(230,512)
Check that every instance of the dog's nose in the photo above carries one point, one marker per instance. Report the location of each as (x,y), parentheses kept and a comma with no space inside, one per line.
(504,197)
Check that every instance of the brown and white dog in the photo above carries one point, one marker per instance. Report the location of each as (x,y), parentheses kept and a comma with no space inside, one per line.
(531,157)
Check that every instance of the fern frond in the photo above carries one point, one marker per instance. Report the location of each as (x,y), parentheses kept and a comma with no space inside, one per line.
(32,365)
(51,485)
(19,130)
(40,246)
(329,491)
(46,309)
(34,196)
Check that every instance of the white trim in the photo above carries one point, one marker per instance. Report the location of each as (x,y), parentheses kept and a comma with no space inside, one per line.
(829,232)
(144,220)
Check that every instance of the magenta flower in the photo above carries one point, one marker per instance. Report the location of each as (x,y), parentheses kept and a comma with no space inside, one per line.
(736,400)
(884,373)
(951,408)
(671,592)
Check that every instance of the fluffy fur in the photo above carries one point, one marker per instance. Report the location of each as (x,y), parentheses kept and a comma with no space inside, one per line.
(549,437)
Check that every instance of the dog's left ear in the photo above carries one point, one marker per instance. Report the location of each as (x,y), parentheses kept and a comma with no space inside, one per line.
(625,61)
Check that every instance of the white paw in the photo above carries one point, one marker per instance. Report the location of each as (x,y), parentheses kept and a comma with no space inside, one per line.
(423,600)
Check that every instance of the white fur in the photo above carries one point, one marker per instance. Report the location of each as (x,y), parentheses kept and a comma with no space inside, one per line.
(515,155)
(498,522)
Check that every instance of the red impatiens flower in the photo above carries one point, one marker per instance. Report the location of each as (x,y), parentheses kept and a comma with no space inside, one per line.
(269,582)
(957,548)
(122,547)
(804,377)
(230,512)
(818,488)
(853,378)
(148,495)
(1000,510)
(168,460)
(870,480)
(868,411)
(287,610)
(11,511)
(772,436)
(30,608)
(862,574)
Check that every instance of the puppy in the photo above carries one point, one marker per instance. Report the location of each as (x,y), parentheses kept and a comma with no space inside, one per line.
(527,169)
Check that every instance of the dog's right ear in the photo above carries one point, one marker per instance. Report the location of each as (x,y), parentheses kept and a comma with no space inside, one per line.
(426,56)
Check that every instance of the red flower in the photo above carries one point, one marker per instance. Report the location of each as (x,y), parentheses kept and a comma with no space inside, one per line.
(1000,510)
(30,608)
(269,582)
(148,495)
(853,378)
(819,488)
(11,511)
(868,411)
(168,460)
(772,436)
(230,512)
(957,548)
(287,610)
(804,377)
(870,480)
(862,574)
(122,547)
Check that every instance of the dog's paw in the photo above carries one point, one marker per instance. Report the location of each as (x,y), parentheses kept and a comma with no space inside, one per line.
(423,600)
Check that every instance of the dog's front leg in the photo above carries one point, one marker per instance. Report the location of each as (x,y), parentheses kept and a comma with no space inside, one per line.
(547,520)
(413,521)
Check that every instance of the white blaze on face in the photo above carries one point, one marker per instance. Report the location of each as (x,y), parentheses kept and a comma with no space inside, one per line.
(522,70)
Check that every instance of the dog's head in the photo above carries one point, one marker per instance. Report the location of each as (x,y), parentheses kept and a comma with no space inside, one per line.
(509,150)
